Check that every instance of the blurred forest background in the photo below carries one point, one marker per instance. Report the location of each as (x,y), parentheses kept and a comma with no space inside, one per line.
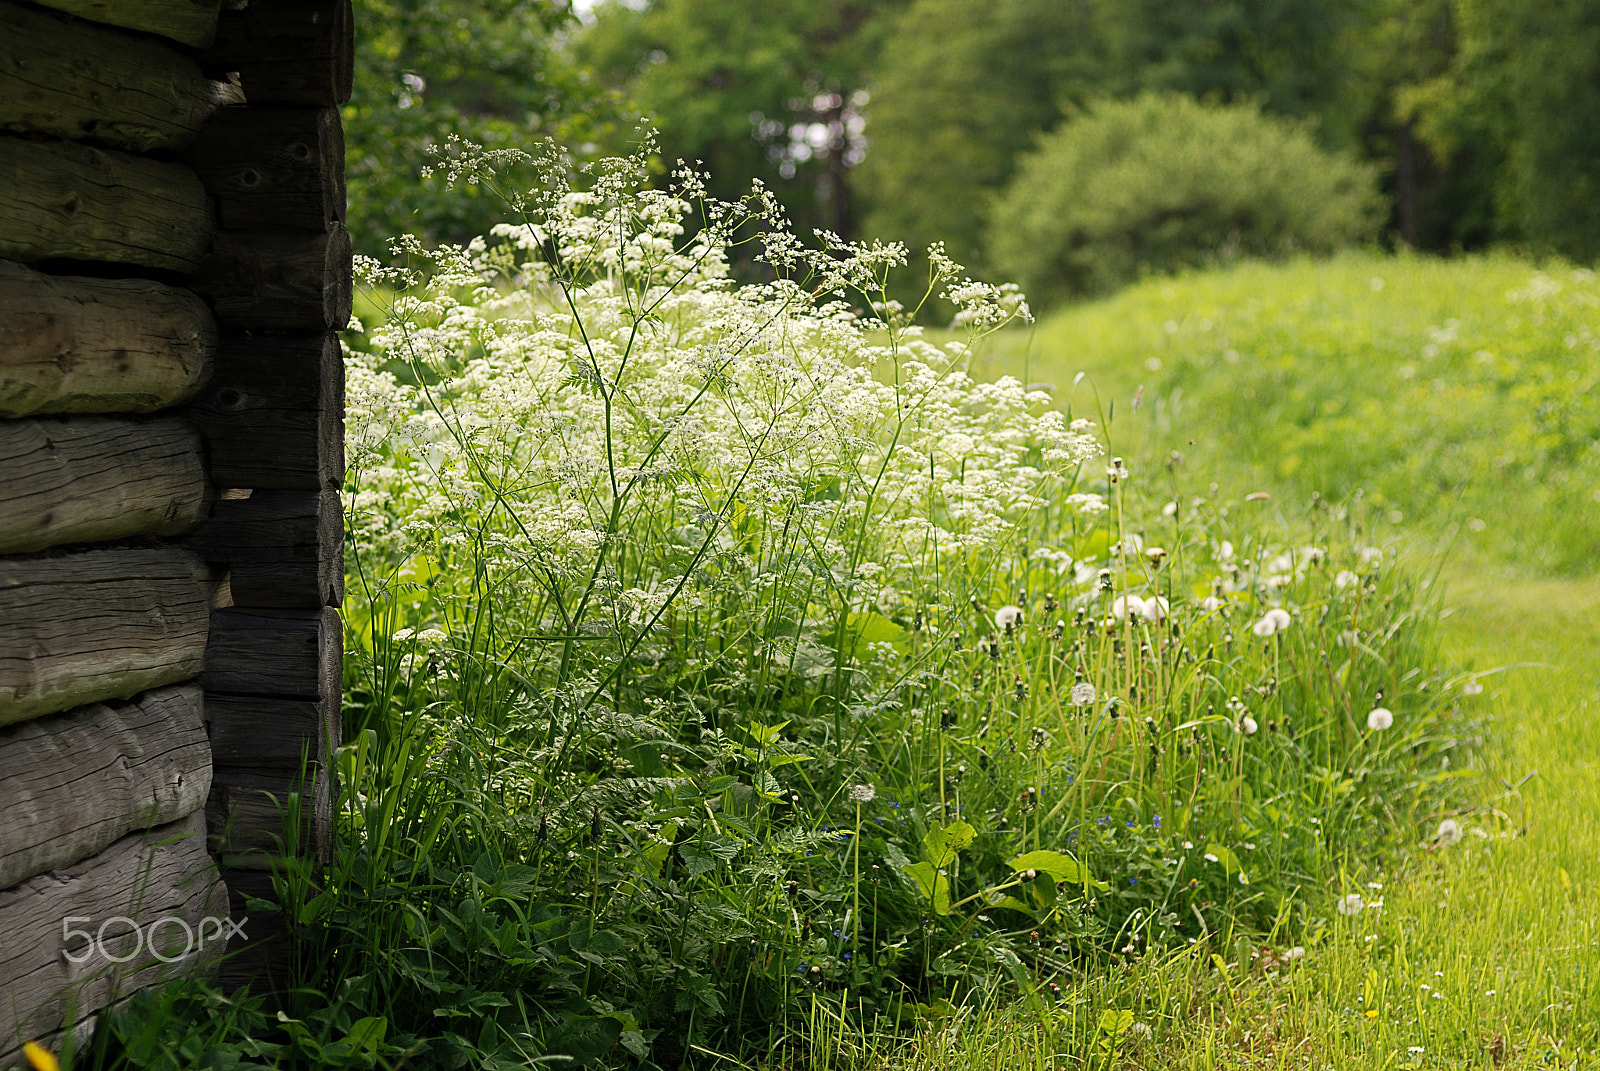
(1072,144)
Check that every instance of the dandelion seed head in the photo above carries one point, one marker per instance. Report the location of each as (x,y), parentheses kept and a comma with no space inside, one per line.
(1379,719)
(1449,832)
(1082,694)
(1350,904)
(1007,617)
(862,793)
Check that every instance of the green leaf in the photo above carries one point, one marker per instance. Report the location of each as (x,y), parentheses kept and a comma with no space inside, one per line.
(764,735)
(942,845)
(935,887)
(1229,862)
(1114,1022)
(1059,865)
(585,1038)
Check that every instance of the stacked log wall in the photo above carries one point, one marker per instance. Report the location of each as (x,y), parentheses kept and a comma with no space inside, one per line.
(174,268)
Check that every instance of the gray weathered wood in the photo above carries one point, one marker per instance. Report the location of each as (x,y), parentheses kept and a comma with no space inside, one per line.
(189,22)
(78,781)
(73,345)
(69,201)
(72,79)
(286,653)
(280,282)
(88,479)
(273,168)
(273,415)
(289,51)
(97,625)
(283,549)
(142,878)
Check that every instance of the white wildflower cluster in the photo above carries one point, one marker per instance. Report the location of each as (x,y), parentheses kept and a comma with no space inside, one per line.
(585,397)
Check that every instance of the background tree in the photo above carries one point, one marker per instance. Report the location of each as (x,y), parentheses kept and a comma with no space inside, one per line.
(493,71)
(774,90)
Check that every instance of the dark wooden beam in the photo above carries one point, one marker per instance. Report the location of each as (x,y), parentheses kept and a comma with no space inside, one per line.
(274,169)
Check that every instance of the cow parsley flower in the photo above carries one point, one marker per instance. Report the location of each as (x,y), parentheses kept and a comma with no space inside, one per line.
(1379,719)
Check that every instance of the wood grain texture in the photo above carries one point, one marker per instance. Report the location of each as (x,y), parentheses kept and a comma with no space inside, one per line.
(273,168)
(266,732)
(97,625)
(72,345)
(79,781)
(280,282)
(89,479)
(189,22)
(255,815)
(283,549)
(264,961)
(288,52)
(273,414)
(72,79)
(286,653)
(144,877)
(63,200)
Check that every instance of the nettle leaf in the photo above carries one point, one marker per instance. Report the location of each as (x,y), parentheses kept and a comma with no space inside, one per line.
(941,846)
(695,861)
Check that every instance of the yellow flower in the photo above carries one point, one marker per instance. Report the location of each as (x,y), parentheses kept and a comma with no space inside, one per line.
(1372,1013)
(39,1057)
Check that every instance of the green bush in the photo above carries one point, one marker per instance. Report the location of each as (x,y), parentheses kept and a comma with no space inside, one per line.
(1162,183)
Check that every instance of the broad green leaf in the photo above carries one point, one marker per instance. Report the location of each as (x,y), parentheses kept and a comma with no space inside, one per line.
(764,735)
(1059,865)
(1114,1022)
(941,845)
(933,884)
(1229,862)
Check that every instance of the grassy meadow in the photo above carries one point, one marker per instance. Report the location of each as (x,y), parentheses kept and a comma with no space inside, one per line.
(1486,950)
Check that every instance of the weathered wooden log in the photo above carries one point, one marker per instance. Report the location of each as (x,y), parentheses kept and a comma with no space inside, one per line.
(264,961)
(70,79)
(77,782)
(256,816)
(273,415)
(63,200)
(273,169)
(89,479)
(283,549)
(189,22)
(280,282)
(288,52)
(66,931)
(71,345)
(102,624)
(292,654)
(269,733)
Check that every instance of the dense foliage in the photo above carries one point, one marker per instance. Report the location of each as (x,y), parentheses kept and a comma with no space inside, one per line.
(721,651)
(1160,183)
(494,71)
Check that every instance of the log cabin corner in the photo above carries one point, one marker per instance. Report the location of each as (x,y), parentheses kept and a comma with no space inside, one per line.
(173,269)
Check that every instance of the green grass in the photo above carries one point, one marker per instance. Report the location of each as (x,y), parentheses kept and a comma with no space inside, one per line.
(1485,953)
(1461,396)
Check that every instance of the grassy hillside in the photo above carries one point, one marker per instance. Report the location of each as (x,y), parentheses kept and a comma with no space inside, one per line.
(1460,395)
